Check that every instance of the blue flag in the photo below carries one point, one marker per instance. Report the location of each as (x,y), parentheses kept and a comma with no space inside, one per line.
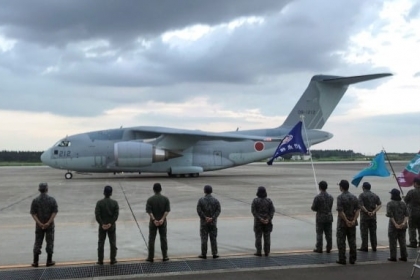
(292,143)
(376,167)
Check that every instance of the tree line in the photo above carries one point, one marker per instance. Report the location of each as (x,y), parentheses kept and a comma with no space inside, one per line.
(20,156)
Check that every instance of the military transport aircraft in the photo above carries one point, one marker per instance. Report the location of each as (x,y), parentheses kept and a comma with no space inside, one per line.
(187,153)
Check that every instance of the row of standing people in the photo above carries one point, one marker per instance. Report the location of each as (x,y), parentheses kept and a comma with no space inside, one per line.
(44,210)
(349,208)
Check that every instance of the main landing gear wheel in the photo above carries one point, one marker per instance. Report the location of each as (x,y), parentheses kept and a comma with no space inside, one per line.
(183,175)
(68,175)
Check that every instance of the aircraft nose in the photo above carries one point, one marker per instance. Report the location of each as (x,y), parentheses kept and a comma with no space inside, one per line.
(44,157)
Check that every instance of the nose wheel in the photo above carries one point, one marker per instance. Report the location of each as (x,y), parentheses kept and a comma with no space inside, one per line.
(68,175)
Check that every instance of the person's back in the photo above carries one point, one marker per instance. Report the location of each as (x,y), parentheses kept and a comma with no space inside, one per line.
(349,204)
(43,210)
(106,211)
(396,210)
(370,201)
(322,205)
(262,209)
(413,199)
(413,204)
(209,206)
(106,214)
(208,209)
(158,205)
(43,206)
(348,211)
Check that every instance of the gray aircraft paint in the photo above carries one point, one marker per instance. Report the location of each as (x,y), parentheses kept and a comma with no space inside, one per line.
(190,152)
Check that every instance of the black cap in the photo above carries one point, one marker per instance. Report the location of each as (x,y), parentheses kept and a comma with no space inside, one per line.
(157,187)
(344,183)
(42,187)
(395,192)
(366,185)
(323,185)
(107,190)
(208,189)
(261,192)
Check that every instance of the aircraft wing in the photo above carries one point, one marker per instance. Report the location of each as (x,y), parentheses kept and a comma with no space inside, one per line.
(180,139)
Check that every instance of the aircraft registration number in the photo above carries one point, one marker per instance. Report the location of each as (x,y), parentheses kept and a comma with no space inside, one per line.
(64,154)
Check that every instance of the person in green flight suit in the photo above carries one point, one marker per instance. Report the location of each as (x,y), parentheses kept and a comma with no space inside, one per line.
(106,213)
(158,208)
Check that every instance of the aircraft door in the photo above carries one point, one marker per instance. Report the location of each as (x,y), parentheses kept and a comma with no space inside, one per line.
(99,161)
(217,158)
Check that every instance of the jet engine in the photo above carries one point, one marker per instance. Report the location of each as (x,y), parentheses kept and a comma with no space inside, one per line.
(136,154)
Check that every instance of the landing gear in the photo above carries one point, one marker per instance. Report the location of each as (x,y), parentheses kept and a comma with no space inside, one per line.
(68,175)
(183,175)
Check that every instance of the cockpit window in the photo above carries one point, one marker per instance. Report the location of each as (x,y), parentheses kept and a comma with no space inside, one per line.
(63,143)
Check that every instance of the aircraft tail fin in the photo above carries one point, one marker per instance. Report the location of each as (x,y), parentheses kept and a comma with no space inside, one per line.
(321,97)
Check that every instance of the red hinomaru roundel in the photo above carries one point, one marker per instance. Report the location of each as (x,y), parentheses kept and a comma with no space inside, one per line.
(259,146)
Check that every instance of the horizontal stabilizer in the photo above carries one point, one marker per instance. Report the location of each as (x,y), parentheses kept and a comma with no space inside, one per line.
(355,79)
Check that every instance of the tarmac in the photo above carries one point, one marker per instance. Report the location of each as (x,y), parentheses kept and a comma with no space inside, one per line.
(291,186)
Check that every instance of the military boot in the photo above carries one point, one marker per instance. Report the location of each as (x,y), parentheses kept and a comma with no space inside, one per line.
(49,260)
(36,259)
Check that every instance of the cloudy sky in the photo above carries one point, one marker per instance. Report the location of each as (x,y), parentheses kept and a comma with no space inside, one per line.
(73,66)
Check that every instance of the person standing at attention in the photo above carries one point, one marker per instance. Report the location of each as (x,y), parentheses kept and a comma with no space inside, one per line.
(208,209)
(106,214)
(43,210)
(158,208)
(348,211)
(322,205)
(262,209)
(396,211)
(370,203)
(413,203)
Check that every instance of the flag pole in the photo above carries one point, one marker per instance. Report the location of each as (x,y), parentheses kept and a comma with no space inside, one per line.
(393,172)
(302,117)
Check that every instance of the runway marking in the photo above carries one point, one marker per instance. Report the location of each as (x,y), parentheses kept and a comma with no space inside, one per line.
(17,202)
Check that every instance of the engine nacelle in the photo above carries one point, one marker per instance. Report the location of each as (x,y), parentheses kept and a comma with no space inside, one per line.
(138,154)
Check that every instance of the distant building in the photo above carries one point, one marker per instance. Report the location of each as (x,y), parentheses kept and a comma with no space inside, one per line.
(301,157)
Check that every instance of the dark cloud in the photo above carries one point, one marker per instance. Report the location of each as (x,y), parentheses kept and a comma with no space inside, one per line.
(83,57)
(51,22)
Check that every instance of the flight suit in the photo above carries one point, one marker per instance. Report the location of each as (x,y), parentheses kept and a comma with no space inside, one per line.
(413,202)
(398,211)
(158,205)
(262,208)
(208,206)
(322,204)
(106,212)
(368,223)
(349,204)
(43,207)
